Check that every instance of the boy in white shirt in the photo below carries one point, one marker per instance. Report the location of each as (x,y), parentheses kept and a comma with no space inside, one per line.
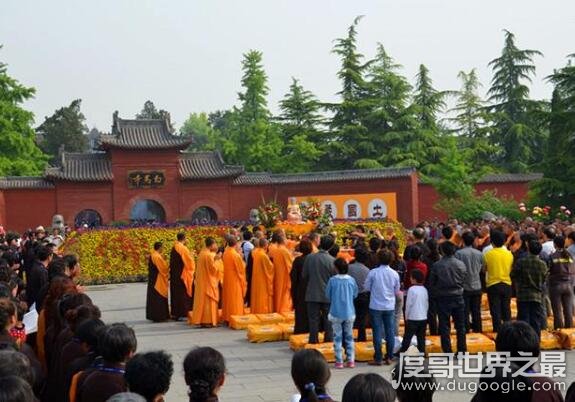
(415,312)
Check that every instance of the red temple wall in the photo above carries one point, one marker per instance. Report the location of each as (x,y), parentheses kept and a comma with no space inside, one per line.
(28,208)
(24,208)
(71,198)
(428,197)
(403,187)
(245,198)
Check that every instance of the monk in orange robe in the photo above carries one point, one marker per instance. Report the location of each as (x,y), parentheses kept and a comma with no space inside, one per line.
(235,284)
(261,301)
(182,268)
(282,259)
(157,308)
(206,287)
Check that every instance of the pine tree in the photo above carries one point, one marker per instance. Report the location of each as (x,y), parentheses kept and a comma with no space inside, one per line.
(428,101)
(65,128)
(390,119)
(512,112)
(252,138)
(19,155)
(557,187)
(470,121)
(299,127)
(350,138)
(422,146)
(150,112)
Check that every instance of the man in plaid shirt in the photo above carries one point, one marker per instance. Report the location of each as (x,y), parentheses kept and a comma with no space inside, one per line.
(528,275)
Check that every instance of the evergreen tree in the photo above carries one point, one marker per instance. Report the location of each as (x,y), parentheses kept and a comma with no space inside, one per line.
(252,139)
(300,120)
(350,138)
(557,187)
(420,145)
(515,128)
(390,118)
(470,121)
(65,128)
(19,155)
(428,101)
(150,112)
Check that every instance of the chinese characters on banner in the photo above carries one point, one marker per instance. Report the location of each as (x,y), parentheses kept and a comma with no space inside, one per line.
(143,179)
(357,206)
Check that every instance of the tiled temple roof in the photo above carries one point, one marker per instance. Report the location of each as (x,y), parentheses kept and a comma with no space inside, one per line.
(206,165)
(82,167)
(143,134)
(511,177)
(24,182)
(322,177)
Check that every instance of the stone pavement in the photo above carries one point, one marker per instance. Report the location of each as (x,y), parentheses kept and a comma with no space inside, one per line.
(256,372)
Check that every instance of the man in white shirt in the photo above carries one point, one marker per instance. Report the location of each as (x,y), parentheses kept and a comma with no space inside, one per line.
(416,308)
(383,285)
(548,248)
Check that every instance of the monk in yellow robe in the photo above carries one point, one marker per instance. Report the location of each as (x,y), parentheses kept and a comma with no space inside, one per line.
(182,268)
(261,301)
(282,259)
(206,287)
(235,284)
(157,308)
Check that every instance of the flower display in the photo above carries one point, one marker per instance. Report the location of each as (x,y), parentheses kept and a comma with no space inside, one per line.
(270,213)
(311,209)
(115,255)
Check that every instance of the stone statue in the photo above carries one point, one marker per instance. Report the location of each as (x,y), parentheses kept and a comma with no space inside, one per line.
(294,212)
(254,217)
(58,222)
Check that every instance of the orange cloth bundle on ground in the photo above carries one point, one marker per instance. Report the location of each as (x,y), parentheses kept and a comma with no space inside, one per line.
(264,333)
(433,344)
(271,318)
(326,349)
(242,321)
(297,342)
(289,316)
(364,351)
(287,330)
(475,343)
(567,337)
(550,341)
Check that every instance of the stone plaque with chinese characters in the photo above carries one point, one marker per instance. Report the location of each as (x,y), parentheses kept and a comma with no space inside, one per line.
(146,179)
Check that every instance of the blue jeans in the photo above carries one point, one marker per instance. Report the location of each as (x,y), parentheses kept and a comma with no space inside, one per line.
(383,321)
(341,329)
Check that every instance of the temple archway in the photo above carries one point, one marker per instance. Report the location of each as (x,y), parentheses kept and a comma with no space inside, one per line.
(203,215)
(148,211)
(88,218)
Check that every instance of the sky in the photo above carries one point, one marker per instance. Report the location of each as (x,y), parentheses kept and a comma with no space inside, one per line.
(185,55)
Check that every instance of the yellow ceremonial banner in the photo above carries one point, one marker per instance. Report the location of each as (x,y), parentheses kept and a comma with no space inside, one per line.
(356,206)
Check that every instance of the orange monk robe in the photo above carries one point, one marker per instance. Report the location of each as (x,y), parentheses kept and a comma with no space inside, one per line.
(206,292)
(261,301)
(291,244)
(235,284)
(220,268)
(282,259)
(161,285)
(189,266)
(272,247)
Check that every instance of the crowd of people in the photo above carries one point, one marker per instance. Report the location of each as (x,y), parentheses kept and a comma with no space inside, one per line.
(74,356)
